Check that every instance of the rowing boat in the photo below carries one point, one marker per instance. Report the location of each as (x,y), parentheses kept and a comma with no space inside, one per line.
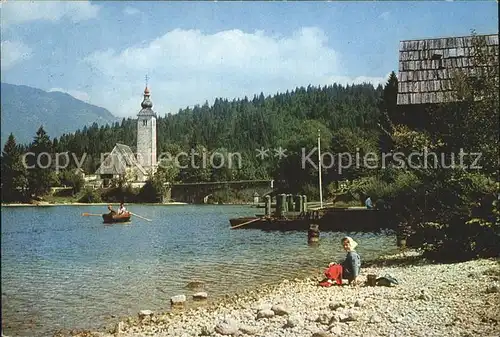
(115,218)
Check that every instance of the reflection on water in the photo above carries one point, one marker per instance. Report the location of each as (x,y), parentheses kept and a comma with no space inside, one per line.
(62,270)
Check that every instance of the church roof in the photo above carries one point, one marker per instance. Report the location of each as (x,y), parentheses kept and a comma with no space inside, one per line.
(146,105)
(119,160)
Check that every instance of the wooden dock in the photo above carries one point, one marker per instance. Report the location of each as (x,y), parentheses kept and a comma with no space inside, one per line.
(352,219)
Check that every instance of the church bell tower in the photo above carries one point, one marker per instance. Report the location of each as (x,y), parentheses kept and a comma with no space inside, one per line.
(146,134)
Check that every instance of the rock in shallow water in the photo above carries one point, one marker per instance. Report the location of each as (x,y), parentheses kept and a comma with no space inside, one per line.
(195,284)
(145,313)
(178,300)
(200,296)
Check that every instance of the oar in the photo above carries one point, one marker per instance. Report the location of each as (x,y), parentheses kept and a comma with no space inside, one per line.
(90,214)
(137,215)
(245,223)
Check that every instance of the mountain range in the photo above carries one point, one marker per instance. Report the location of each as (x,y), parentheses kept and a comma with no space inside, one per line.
(24,109)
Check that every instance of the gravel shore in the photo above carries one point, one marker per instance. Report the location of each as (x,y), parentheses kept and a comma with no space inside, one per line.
(460,299)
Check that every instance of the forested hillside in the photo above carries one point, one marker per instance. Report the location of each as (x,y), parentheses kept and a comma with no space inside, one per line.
(244,125)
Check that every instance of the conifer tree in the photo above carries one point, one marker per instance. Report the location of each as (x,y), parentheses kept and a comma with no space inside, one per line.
(40,173)
(14,181)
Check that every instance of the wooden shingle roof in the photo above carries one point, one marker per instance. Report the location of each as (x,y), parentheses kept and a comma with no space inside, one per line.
(427,67)
(118,161)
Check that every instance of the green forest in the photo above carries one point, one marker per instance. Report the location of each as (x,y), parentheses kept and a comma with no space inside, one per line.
(445,209)
(345,115)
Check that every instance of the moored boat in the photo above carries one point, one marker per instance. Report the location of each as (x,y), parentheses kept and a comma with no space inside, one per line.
(115,218)
(239,221)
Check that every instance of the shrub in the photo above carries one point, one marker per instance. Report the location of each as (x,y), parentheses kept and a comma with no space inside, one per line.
(90,196)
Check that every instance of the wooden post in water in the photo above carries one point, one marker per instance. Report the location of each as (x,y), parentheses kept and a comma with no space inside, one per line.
(313,234)
(280,205)
(277,211)
(268,205)
(291,206)
(297,202)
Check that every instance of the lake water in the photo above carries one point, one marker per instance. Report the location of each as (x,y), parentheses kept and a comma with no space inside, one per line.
(61,270)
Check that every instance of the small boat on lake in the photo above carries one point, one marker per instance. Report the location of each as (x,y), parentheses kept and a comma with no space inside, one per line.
(115,218)
(239,221)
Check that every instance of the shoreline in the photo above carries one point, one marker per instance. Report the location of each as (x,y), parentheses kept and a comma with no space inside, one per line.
(457,299)
(173,203)
(47,204)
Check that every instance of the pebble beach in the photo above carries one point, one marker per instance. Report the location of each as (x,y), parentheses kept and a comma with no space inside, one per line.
(459,299)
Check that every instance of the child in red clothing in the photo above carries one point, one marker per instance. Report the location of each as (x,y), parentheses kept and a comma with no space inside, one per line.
(333,274)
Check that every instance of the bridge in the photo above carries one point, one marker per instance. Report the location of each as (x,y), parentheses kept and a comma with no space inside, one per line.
(199,192)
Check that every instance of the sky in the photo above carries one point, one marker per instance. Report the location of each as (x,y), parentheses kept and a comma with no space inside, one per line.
(192,52)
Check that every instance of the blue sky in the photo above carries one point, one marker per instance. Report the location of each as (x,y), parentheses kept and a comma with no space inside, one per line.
(195,51)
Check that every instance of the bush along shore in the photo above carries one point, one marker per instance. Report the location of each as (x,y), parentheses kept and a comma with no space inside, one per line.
(460,299)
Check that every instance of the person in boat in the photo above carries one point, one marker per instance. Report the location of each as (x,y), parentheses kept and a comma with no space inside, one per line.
(349,269)
(122,210)
(111,210)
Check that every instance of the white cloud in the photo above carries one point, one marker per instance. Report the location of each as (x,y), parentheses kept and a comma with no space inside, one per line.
(385,16)
(187,67)
(16,12)
(131,10)
(14,52)
(81,95)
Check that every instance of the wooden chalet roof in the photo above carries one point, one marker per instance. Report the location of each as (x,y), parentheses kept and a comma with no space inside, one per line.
(119,160)
(427,67)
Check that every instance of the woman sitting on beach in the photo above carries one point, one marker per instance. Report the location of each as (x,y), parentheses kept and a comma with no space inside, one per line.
(349,269)
(352,262)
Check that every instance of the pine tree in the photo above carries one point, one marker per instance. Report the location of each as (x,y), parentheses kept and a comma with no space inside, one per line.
(14,181)
(40,174)
(388,112)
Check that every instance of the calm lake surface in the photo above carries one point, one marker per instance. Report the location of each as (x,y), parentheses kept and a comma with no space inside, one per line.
(61,270)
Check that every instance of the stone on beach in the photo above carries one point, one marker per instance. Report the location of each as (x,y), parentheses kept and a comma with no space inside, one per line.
(292,322)
(145,313)
(280,310)
(335,306)
(266,313)
(321,334)
(249,330)
(227,326)
(495,288)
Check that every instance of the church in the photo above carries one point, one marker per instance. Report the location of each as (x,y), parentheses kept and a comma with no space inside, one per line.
(121,163)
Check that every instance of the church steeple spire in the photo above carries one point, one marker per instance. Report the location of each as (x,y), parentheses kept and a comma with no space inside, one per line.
(146,103)
(146,90)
